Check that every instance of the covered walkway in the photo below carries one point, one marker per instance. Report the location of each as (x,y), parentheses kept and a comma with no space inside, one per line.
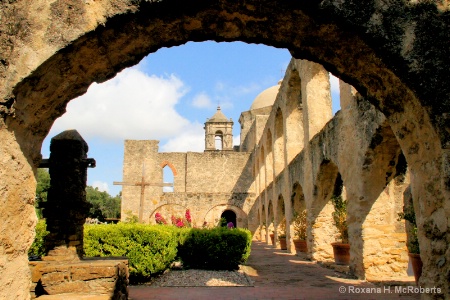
(280,275)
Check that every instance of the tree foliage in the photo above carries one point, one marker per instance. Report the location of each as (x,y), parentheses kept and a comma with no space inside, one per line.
(103,204)
(42,187)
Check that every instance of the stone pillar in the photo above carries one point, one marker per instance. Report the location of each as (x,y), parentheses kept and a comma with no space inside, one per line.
(66,208)
(316,97)
(17,194)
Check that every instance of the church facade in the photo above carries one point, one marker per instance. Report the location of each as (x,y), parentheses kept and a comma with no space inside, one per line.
(211,184)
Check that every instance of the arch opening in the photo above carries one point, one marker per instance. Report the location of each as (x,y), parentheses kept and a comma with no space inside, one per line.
(230,217)
(218,139)
(168,178)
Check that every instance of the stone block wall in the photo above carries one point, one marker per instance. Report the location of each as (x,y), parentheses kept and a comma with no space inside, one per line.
(357,146)
(204,207)
(96,276)
(218,172)
(205,183)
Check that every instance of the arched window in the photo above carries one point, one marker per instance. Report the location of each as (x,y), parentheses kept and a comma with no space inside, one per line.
(218,140)
(168,178)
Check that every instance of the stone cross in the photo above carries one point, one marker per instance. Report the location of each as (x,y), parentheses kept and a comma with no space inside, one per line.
(142,184)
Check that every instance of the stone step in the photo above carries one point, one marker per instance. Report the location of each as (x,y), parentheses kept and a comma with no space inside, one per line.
(89,277)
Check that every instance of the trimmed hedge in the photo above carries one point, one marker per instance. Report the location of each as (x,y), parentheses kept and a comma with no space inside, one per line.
(217,249)
(150,249)
(38,247)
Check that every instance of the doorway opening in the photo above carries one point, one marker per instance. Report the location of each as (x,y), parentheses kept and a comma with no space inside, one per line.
(230,216)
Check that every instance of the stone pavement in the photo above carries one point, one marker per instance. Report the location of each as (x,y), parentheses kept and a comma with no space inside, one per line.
(280,275)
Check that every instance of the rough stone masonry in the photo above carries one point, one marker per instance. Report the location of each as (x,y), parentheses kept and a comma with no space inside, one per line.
(395,54)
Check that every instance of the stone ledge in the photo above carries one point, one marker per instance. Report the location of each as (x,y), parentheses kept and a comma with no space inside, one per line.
(345,269)
(91,276)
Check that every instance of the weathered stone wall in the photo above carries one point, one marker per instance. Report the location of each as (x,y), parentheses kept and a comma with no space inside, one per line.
(140,157)
(395,54)
(177,163)
(218,172)
(88,278)
(205,183)
(204,207)
(368,159)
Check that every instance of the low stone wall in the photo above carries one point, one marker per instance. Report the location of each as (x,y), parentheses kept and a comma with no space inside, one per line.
(89,276)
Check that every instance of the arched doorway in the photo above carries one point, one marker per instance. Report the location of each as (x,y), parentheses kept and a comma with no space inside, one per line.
(230,216)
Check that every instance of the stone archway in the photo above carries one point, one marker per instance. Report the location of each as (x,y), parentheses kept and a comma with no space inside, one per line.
(321,231)
(52,54)
(378,238)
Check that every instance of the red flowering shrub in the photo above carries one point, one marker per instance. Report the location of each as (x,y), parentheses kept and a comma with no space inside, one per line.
(188,217)
(177,221)
(160,219)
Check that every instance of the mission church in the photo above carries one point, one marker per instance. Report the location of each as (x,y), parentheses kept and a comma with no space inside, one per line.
(294,156)
(216,183)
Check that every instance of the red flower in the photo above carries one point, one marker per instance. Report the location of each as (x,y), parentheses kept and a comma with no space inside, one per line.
(188,216)
(160,219)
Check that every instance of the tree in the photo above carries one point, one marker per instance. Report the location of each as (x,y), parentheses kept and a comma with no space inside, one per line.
(42,187)
(103,204)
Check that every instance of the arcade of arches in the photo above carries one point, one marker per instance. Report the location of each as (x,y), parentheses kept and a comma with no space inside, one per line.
(395,54)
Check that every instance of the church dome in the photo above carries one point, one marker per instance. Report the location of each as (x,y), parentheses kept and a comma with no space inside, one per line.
(266,97)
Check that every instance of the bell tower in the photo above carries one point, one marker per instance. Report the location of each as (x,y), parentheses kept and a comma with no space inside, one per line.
(218,132)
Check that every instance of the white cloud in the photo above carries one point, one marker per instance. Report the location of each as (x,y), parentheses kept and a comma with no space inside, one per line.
(202,100)
(133,105)
(102,186)
(247,89)
(228,91)
(191,138)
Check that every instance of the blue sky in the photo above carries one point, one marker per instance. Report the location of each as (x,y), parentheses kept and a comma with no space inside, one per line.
(168,97)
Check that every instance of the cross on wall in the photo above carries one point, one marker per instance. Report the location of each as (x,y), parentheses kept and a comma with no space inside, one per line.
(142,184)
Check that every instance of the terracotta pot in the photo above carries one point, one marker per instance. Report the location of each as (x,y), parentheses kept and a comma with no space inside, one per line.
(416,263)
(341,253)
(283,245)
(272,238)
(301,246)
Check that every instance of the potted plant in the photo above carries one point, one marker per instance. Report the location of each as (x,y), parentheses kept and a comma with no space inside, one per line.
(412,241)
(282,235)
(300,225)
(272,238)
(341,248)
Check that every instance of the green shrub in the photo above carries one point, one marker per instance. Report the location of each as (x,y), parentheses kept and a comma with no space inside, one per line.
(217,248)
(38,248)
(150,248)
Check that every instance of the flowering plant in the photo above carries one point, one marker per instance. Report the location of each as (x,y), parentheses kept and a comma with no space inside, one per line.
(187,215)
(160,219)
(177,221)
(230,225)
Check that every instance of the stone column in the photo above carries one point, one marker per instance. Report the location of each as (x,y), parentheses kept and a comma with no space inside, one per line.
(66,208)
